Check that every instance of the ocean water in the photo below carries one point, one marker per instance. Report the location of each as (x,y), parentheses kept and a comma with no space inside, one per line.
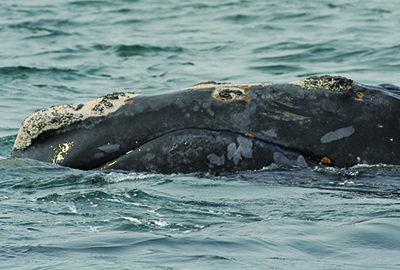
(57,52)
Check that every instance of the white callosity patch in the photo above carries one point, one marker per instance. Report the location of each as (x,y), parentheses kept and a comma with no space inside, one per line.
(337,134)
(326,83)
(244,149)
(64,115)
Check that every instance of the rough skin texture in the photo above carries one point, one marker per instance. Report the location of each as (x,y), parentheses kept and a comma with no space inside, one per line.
(65,115)
(326,83)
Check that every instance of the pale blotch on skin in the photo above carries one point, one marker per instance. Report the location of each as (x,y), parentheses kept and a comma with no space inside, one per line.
(337,134)
(243,150)
(216,160)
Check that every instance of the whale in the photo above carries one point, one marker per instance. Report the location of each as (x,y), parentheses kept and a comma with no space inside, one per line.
(221,127)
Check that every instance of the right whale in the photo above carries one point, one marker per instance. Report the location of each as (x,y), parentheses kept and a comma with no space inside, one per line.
(221,127)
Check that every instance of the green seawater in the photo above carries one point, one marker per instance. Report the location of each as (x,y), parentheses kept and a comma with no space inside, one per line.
(57,52)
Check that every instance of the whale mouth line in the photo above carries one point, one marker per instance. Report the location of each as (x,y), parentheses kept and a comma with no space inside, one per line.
(216,131)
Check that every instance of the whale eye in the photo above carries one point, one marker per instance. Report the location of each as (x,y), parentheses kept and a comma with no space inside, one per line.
(228,93)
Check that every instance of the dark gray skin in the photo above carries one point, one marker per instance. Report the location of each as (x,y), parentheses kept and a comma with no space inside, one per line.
(224,128)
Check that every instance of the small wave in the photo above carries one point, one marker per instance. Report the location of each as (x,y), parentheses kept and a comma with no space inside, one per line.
(240,18)
(359,169)
(277,69)
(23,165)
(133,220)
(23,72)
(7,142)
(379,180)
(337,172)
(116,177)
(132,223)
(84,3)
(29,27)
(136,50)
(155,222)
(40,29)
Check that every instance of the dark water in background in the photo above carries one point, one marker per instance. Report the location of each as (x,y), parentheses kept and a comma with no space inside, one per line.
(56,52)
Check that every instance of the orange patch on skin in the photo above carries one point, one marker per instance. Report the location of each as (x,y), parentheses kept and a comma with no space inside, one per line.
(247,93)
(249,135)
(248,96)
(325,160)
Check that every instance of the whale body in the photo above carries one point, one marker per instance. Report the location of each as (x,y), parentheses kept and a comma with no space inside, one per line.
(221,127)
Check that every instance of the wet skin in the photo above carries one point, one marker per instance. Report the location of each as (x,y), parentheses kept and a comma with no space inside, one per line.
(226,128)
